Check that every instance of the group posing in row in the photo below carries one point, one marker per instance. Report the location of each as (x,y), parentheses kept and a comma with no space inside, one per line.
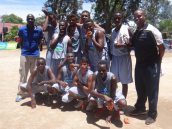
(81,65)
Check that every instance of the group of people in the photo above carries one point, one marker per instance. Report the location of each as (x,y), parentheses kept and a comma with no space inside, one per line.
(78,65)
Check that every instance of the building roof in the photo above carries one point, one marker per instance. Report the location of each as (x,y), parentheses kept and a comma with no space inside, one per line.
(8,25)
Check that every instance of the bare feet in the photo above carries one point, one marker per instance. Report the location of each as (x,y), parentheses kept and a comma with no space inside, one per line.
(33,103)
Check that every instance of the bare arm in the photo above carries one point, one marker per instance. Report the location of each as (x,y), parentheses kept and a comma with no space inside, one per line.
(89,86)
(45,26)
(29,85)
(113,87)
(75,80)
(98,40)
(97,27)
(69,46)
(54,41)
(161,51)
(51,76)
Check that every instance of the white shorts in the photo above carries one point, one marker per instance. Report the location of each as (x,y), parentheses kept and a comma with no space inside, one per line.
(101,102)
(61,88)
(35,88)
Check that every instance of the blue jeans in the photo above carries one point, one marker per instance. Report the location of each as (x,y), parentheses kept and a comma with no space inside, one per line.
(147,86)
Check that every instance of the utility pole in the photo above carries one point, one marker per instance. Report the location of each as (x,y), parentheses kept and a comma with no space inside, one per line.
(2,32)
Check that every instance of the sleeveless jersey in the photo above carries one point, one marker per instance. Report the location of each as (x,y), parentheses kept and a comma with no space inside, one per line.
(41,76)
(103,87)
(61,48)
(84,79)
(67,75)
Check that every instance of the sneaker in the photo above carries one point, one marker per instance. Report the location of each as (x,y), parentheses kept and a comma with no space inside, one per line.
(19,98)
(149,120)
(137,112)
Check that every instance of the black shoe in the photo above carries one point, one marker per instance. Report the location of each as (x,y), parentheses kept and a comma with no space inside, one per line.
(149,120)
(137,112)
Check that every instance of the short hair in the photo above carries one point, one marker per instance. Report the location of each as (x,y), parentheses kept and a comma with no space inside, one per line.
(88,20)
(84,60)
(64,22)
(141,10)
(85,11)
(67,54)
(41,58)
(30,15)
(118,12)
(71,16)
(103,62)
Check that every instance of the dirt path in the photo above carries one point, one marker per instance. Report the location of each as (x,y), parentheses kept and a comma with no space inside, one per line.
(20,115)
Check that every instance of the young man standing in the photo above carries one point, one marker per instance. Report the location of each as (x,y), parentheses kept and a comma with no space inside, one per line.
(61,43)
(121,60)
(95,45)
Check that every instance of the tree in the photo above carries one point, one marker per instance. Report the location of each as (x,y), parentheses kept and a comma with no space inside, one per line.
(165,25)
(64,7)
(12,34)
(156,10)
(39,21)
(104,10)
(12,19)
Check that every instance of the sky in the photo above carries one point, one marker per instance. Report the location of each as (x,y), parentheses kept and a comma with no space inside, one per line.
(23,7)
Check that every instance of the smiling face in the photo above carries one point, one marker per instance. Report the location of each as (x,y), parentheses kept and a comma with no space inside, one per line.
(139,18)
(85,16)
(89,26)
(62,27)
(70,58)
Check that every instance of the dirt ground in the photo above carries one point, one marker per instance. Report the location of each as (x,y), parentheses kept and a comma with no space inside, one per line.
(19,115)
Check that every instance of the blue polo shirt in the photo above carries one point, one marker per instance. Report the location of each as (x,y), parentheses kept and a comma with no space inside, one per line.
(30,40)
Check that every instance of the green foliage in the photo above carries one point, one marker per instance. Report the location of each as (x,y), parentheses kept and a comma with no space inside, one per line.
(64,7)
(39,21)
(166,25)
(12,19)
(12,34)
(156,10)
(104,10)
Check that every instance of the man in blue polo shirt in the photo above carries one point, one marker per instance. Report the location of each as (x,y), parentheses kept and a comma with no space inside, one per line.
(30,37)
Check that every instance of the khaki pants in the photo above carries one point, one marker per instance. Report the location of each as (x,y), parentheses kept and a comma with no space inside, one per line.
(27,63)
